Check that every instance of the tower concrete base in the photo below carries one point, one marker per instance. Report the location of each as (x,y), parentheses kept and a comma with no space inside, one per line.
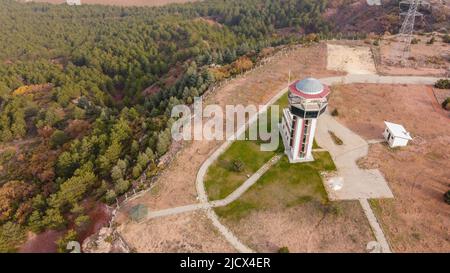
(300,160)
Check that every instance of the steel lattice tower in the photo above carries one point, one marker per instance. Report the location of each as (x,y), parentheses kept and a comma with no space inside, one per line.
(406,32)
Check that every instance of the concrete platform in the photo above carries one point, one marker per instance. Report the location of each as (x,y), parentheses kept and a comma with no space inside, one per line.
(357,183)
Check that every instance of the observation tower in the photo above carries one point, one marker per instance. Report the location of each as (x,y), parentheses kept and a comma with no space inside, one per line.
(307,101)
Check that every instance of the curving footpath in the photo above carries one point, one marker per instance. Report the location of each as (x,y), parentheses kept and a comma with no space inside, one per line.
(208,206)
(348,79)
(217,203)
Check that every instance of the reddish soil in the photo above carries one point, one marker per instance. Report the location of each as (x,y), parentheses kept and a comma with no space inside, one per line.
(45,242)
(417,219)
(41,243)
(355,15)
(99,216)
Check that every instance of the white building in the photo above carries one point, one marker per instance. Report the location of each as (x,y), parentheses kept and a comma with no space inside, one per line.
(307,101)
(396,135)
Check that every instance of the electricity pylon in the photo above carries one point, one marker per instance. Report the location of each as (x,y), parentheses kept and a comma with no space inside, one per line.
(406,32)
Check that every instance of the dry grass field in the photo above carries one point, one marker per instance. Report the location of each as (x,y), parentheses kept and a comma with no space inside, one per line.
(182,233)
(417,219)
(426,58)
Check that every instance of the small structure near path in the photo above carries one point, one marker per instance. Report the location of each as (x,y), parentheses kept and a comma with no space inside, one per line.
(396,135)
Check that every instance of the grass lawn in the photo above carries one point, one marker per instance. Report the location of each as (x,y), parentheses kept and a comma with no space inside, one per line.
(221,178)
(284,185)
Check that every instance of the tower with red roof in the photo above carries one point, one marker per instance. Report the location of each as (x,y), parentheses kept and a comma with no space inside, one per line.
(307,101)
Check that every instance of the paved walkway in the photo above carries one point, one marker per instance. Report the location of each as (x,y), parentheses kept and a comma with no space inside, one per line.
(359,148)
(376,79)
(233,240)
(357,183)
(229,236)
(208,206)
(377,231)
(247,184)
(176,210)
(218,203)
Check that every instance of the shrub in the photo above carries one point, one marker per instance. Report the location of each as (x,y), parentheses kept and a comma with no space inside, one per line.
(446,39)
(335,112)
(121,186)
(110,196)
(312,37)
(376,42)
(11,235)
(335,138)
(415,41)
(238,165)
(137,171)
(334,210)
(431,41)
(54,219)
(62,243)
(442,84)
(446,104)
(447,197)
(35,222)
(58,138)
(283,249)
(82,221)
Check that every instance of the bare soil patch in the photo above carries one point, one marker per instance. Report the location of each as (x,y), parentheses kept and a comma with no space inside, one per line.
(351,59)
(425,59)
(186,233)
(41,243)
(417,219)
(176,184)
(305,228)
